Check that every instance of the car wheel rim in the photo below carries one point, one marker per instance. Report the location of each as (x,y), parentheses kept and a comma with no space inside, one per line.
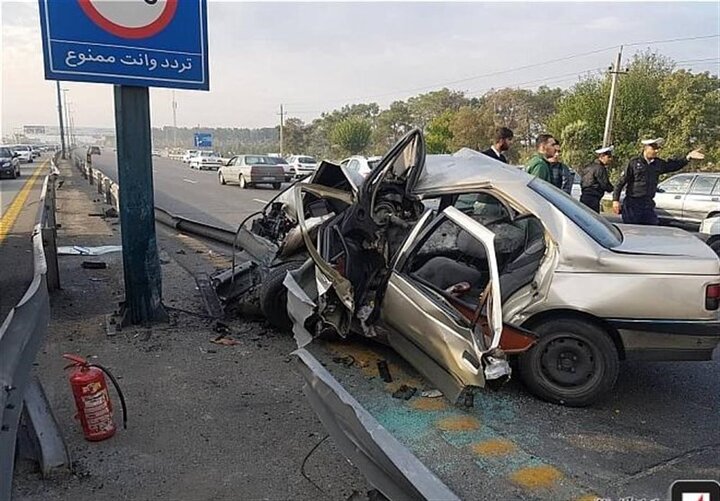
(569,362)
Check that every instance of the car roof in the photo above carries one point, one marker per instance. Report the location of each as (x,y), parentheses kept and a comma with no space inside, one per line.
(469,168)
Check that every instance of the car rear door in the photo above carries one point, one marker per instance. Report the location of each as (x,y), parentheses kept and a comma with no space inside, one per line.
(428,325)
(670,196)
(702,199)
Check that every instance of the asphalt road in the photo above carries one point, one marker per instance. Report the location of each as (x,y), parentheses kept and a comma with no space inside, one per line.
(16,226)
(661,423)
(195,194)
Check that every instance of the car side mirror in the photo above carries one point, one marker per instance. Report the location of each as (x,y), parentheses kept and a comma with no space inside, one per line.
(660,190)
(15,154)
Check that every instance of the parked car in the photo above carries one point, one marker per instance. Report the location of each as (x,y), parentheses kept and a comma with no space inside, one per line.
(188,155)
(359,167)
(301,166)
(688,197)
(95,150)
(24,153)
(506,266)
(9,163)
(203,160)
(250,170)
(710,233)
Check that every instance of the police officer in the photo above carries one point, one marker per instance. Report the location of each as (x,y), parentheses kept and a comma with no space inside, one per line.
(640,179)
(594,182)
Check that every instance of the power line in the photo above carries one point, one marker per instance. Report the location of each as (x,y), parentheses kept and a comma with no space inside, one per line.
(518,68)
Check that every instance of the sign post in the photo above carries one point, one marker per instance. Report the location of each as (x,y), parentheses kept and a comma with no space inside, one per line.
(134,45)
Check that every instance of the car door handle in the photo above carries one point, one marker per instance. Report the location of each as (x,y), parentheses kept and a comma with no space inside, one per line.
(678,197)
(715,199)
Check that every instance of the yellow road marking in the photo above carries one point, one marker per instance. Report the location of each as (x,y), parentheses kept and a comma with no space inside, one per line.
(494,447)
(458,423)
(537,477)
(7,221)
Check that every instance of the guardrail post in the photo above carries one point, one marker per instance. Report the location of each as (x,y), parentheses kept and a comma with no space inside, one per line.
(39,436)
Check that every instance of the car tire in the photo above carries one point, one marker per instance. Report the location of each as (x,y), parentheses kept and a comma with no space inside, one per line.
(273,296)
(241,182)
(715,245)
(276,186)
(221,179)
(590,363)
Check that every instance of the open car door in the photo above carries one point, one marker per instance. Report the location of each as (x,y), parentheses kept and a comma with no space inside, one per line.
(443,270)
(353,250)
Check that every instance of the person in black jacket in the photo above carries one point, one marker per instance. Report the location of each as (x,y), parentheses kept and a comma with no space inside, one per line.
(594,181)
(640,180)
(503,141)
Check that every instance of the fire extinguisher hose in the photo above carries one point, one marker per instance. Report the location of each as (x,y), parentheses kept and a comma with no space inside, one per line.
(117,388)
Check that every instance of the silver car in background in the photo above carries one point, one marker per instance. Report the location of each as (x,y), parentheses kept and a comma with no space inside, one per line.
(688,197)
(300,166)
(248,171)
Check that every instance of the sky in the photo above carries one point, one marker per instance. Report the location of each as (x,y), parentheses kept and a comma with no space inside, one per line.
(315,57)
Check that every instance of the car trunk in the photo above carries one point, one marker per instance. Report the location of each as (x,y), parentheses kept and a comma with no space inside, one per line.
(657,242)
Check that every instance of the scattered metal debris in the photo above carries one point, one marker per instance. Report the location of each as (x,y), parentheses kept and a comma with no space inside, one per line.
(347,360)
(405,392)
(79,250)
(432,393)
(384,371)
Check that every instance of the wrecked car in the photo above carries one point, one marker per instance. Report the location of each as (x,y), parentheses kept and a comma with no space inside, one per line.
(460,263)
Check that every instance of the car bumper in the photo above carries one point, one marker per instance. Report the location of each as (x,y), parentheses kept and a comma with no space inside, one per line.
(668,340)
(267,179)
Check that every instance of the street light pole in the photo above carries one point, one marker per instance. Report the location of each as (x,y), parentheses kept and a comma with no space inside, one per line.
(607,136)
(174,109)
(282,119)
(67,117)
(60,118)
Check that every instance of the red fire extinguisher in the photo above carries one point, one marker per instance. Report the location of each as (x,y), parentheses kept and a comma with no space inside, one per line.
(94,408)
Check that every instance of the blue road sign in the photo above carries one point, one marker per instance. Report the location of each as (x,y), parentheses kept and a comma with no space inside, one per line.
(203,140)
(148,43)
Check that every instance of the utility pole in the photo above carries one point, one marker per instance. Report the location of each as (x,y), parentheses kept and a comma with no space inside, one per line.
(67,116)
(282,124)
(607,136)
(174,108)
(60,117)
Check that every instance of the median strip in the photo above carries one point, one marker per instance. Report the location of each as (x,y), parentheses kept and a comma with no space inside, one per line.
(7,221)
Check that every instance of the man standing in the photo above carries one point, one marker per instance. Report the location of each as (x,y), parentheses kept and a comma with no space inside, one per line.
(561,175)
(538,164)
(503,141)
(594,181)
(641,178)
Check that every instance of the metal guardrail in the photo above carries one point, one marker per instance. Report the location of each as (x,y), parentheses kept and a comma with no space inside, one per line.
(21,336)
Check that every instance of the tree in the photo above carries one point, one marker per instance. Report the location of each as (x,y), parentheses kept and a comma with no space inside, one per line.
(472,128)
(294,136)
(438,136)
(425,107)
(577,144)
(392,124)
(352,135)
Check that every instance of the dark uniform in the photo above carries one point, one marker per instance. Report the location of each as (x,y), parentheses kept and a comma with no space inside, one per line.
(594,183)
(497,156)
(641,179)
(561,176)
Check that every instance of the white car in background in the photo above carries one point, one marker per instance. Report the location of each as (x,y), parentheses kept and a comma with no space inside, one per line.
(300,166)
(189,154)
(24,153)
(206,160)
(359,167)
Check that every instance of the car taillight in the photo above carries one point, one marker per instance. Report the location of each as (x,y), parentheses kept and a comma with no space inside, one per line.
(712,297)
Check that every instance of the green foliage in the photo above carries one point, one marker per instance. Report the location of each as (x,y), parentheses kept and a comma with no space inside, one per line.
(352,135)
(577,144)
(438,136)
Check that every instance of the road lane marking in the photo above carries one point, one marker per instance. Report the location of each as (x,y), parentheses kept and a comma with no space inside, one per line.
(260,200)
(7,221)
(189,181)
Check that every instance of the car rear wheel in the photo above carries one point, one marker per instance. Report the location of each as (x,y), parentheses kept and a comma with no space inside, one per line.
(241,182)
(715,245)
(221,178)
(573,363)
(276,186)
(273,296)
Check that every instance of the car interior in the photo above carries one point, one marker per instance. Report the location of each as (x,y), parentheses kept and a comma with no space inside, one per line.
(454,264)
